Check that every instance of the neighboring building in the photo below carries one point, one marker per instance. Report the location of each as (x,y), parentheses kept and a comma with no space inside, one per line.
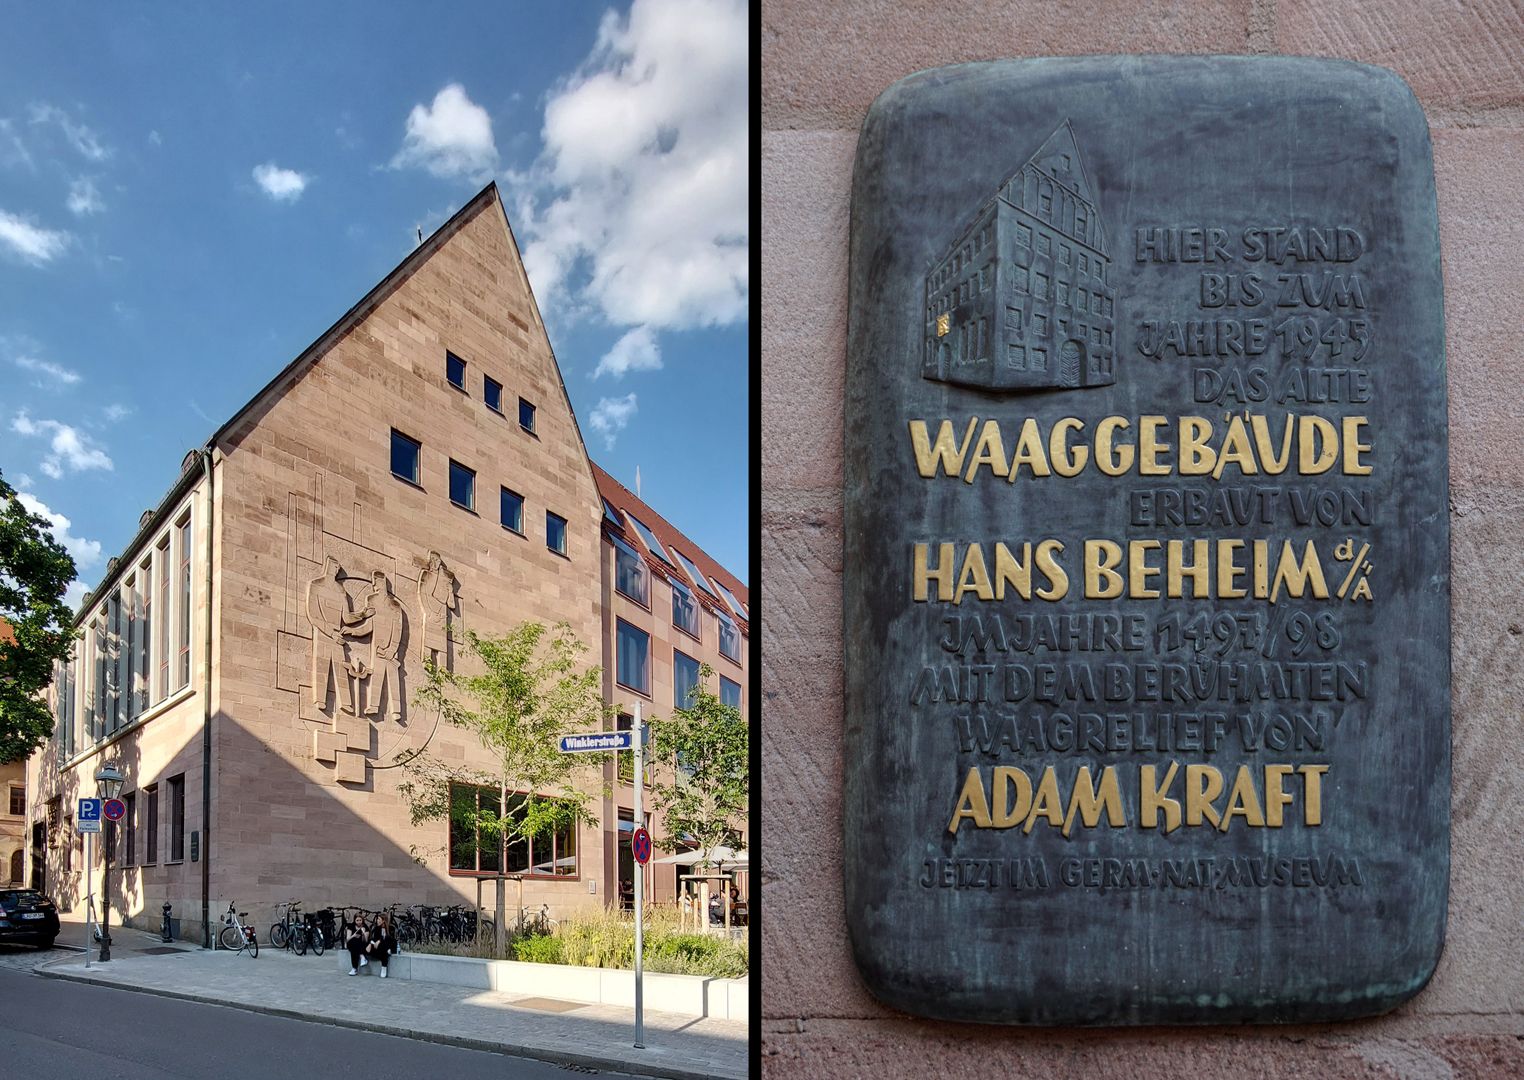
(668,609)
(1024,297)
(251,657)
(12,809)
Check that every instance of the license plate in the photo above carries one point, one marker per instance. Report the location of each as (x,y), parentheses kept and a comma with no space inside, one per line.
(34,915)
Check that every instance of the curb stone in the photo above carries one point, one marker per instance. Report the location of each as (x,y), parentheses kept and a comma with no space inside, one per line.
(551,1057)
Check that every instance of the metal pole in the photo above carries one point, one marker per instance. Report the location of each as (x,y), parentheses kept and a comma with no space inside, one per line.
(638,729)
(106,842)
(89,890)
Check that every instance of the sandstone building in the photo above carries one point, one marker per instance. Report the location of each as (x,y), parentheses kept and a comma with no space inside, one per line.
(250,658)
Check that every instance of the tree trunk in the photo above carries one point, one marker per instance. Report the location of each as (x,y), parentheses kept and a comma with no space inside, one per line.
(502,864)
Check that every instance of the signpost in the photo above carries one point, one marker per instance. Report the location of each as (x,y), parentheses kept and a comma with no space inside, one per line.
(640,843)
(88,819)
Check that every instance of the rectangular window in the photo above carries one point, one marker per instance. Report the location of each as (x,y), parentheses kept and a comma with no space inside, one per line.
(685,679)
(730,640)
(405,455)
(1040,285)
(151,824)
(511,510)
(455,370)
(624,722)
(95,667)
(130,651)
(555,532)
(161,556)
(526,415)
(114,663)
(183,675)
(1044,244)
(1039,359)
(1084,263)
(693,572)
(730,598)
(492,393)
(144,596)
(1016,355)
(684,609)
(630,577)
(648,537)
(130,855)
(462,485)
(730,693)
(177,818)
(1080,222)
(633,659)
(1024,235)
(1065,253)
(473,852)
(68,843)
(1063,293)
(18,801)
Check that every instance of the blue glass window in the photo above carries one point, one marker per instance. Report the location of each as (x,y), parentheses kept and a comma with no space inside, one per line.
(512,509)
(455,370)
(685,678)
(405,456)
(555,532)
(526,415)
(462,485)
(633,659)
(492,393)
(730,693)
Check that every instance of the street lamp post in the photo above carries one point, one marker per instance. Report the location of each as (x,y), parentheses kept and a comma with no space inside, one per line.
(108,785)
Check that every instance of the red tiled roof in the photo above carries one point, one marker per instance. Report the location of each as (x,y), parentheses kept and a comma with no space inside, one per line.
(671,537)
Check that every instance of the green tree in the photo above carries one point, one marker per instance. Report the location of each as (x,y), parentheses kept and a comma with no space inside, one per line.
(35,571)
(703,793)
(526,690)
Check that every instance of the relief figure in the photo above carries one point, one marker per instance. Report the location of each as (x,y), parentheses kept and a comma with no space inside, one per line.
(328,612)
(381,619)
(437,601)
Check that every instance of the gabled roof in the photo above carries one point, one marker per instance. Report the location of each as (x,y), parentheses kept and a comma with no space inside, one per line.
(672,538)
(288,376)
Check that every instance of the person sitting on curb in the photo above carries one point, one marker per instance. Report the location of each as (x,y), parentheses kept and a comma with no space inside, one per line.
(382,942)
(356,937)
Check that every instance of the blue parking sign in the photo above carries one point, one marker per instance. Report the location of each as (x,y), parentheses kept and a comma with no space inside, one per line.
(89,810)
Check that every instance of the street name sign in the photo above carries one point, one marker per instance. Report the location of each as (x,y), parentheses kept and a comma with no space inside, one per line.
(1147,574)
(603,740)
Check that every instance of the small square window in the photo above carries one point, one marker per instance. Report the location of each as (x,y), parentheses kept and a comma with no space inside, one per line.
(555,532)
(455,370)
(492,393)
(462,485)
(526,415)
(405,453)
(512,504)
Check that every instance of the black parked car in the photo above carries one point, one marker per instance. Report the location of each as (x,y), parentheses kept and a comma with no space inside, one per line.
(28,917)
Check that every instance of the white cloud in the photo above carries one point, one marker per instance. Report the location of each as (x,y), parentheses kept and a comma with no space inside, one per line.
(282,185)
(610,416)
(642,186)
(451,137)
(636,351)
(86,553)
(52,375)
(85,141)
(33,243)
(84,198)
(23,481)
(12,149)
(71,449)
(155,138)
(75,594)
(117,411)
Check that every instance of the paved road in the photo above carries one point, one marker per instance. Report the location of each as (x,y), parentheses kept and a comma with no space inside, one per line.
(55,1030)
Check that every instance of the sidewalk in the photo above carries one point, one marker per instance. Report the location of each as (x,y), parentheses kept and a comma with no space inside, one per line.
(313,988)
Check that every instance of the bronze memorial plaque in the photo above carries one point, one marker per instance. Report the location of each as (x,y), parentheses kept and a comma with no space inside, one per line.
(1147,594)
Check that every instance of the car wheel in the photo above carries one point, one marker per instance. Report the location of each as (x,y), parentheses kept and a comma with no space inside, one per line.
(45,943)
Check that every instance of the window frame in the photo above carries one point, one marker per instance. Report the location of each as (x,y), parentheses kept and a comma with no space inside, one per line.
(417,478)
(489,381)
(624,547)
(618,667)
(680,590)
(176,818)
(551,515)
(483,790)
(735,631)
(740,694)
(503,490)
(450,358)
(678,657)
(151,819)
(533,413)
(130,839)
(14,789)
(470,472)
(184,537)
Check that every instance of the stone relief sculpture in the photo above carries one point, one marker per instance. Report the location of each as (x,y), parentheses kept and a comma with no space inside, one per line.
(328,612)
(382,621)
(437,600)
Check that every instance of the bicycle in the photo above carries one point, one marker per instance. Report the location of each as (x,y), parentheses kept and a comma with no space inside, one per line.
(280,932)
(235,935)
(306,934)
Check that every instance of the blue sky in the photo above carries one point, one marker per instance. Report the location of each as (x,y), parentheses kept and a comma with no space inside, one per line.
(188,198)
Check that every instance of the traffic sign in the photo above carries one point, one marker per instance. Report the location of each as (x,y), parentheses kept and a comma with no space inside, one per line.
(640,843)
(603,740)
(89,809)
(114,810)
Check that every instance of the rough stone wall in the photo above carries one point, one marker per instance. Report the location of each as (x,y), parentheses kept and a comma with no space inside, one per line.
(302,809)
(822,65)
